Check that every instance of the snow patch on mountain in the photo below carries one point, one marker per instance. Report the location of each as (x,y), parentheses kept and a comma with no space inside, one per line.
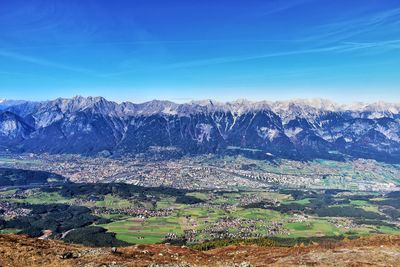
(287,110)
(390,133)
(292,132)
(204,132)
(267,133)
(8,127)
(302,127)
(45,119)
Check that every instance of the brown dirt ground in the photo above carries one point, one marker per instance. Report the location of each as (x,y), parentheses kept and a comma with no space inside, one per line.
(380,250)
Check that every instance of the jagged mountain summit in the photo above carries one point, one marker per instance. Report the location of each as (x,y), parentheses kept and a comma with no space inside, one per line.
(298,129)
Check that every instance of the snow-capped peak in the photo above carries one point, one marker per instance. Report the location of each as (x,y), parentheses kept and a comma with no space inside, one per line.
(315,103)
(309,108)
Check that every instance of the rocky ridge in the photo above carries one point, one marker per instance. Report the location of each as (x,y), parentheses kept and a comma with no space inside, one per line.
(297,129)
(16,250)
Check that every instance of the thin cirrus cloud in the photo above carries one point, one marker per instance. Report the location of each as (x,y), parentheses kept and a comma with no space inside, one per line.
(344,47)
(257,44)
(334,37)
(336,34)
(349,28)
(283,6)
(45,63)
(146,42)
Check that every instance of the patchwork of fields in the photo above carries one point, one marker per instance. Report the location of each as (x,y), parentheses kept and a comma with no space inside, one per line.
(118,212)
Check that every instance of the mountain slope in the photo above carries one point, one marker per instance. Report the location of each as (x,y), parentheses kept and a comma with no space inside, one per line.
(13,129)
(5,103)
(298,129)
(18,250)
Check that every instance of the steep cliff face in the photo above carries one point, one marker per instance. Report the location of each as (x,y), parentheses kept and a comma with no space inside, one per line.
(13,129)
(299,129)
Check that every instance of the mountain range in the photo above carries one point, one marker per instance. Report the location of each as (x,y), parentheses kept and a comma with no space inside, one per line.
(296,129)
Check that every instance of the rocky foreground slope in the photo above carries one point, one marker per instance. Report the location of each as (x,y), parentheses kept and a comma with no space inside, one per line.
(299,129)
(367,251)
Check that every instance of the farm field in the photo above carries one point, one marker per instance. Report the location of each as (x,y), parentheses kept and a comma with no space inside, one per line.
(139,231)
(206,218)
(142,215)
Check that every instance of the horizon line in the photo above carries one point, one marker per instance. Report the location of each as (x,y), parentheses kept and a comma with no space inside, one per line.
(198,101)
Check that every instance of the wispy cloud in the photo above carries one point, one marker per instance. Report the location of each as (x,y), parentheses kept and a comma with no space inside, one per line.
(224,60)
(382,46)
(342,48)
(145,42)
(15,73)
(345,29)
(282,6)
(44,62)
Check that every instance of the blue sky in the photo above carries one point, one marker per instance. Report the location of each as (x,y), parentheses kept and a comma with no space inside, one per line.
(140,50)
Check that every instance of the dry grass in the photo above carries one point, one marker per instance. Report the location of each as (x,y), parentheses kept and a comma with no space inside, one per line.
(366,251)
